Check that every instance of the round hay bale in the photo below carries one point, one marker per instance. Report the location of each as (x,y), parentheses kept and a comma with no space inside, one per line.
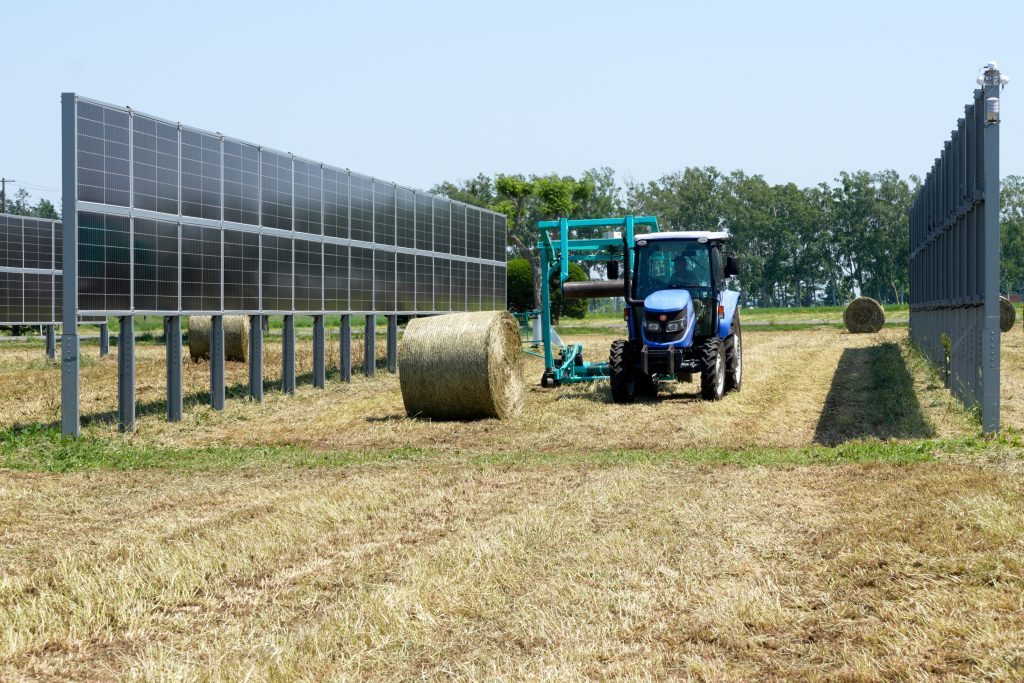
(236,337)
(864,314)
(461,366)
(1007,314)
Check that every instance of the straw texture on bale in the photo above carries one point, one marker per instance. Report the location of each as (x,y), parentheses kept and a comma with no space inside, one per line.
(864,314)
(461,366)
(1007,314)
(236,337)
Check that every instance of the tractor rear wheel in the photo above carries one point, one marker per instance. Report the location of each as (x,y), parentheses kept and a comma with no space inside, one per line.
(712,374)
(622,377)
(734,357)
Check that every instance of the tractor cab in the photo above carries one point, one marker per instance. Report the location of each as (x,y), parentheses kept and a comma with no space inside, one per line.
(678,272)
(682,319)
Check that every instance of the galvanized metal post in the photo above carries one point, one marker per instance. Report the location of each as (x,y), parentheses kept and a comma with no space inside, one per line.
(990,343)
(51,342)
(175,402)
(104,340)
(370,346)
(319,366)
(288,355)
(126,374)
(217,362)
(256,358)
(392,344)
(69,351)
(345,360)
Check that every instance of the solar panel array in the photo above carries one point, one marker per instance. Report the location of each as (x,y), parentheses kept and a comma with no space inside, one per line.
(30,259)
(175,220)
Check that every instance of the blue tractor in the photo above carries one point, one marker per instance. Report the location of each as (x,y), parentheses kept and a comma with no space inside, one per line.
(681,319)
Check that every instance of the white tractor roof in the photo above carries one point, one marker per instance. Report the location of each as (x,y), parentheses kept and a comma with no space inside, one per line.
(683,235)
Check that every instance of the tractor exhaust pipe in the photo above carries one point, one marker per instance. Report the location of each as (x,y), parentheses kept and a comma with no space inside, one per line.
(593,289)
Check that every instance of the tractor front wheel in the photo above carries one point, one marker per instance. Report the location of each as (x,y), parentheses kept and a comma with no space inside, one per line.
(622,377)
(712,374)
(734,357)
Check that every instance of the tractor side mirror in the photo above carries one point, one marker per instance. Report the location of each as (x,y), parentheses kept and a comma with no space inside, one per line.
(732,266)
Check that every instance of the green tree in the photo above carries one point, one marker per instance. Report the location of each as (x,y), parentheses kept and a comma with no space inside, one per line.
(519,290)
(1011,200)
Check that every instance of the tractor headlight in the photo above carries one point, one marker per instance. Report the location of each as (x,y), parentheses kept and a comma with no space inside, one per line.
(674,326)
(653,326)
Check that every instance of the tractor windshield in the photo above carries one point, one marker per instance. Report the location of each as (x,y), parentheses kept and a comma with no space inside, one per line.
(673,264)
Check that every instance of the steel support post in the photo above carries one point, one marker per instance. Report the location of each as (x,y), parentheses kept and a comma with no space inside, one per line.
(126,374)
(104,340)
(392,344)
(288,355)
(345,359)
(990,341)
(256,358)
(51,342)
(217,362)
(370,346)
(69,359)
(319,367)
(175,402)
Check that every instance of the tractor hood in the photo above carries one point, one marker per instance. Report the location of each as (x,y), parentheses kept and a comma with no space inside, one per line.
(667,301)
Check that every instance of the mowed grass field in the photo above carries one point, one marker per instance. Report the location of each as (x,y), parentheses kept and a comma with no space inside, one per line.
(837,519)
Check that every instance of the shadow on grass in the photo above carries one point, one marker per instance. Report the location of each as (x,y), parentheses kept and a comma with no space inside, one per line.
(872,396)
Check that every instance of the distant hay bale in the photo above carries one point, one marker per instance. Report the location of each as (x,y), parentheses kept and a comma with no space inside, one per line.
(461,366)
(236,337)
(864,314)
(1007,314)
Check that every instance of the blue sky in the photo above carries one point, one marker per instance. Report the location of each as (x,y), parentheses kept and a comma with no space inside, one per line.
(422,92)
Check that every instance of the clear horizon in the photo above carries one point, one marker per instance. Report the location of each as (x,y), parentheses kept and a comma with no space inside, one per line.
(419,96)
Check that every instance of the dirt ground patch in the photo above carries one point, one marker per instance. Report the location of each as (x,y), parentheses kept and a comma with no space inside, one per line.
(526,572)
(802,387)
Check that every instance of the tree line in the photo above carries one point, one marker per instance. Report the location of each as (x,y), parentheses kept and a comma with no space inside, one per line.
(21,205)
(799,245)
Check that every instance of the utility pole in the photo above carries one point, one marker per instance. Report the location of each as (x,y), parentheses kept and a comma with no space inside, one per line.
(3,193)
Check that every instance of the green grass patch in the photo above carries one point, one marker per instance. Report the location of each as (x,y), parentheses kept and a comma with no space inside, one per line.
(45,450)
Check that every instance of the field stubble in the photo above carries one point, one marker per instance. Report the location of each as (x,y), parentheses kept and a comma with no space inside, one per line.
(800,388)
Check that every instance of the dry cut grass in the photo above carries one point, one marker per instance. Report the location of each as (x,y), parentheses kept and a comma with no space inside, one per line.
(815,386)
(553,572)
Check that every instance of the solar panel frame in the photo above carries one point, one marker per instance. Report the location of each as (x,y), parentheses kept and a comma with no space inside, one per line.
(29,278)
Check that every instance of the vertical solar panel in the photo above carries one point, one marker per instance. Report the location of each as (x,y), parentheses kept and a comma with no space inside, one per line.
(474,296)
(276,195)
(424,284)
(12,291)
(458,280)
(156,265)
(458,234)
(104,260)
(11,232)
(38,297)
(154,165)
(443,285)
(384,281)
(277,273)
(405,220)
(336,277)
(38,244)
(361,279)
(102,155)
(361,203)
(405,282)
(442,225)
(424,222)
(308,181)
(473,236)
(241,271)
(383,212)
(336,203)
(308,276)
(201,174)
(241,183)
(200,269)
